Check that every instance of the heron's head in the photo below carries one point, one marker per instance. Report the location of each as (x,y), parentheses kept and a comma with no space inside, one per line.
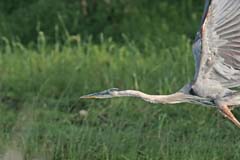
(102,95)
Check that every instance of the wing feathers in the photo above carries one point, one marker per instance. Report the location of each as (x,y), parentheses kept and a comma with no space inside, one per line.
(225,27)
(221,43)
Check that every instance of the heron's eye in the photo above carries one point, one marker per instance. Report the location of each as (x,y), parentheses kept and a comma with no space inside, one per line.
(113,89)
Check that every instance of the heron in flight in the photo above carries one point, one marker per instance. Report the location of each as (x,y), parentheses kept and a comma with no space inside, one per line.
(216,51)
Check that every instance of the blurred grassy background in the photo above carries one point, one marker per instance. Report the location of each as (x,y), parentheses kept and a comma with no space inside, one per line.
(54,51)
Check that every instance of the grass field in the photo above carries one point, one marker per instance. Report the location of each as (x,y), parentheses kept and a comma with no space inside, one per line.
(42,117)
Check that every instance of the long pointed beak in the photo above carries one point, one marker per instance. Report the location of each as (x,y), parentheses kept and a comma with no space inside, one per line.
(89,96)
(228,114)
(101,95)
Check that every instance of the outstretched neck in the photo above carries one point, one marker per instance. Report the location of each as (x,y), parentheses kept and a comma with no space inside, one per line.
(164,99)
(178,97)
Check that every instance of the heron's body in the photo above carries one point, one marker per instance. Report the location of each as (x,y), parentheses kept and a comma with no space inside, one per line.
(217,63)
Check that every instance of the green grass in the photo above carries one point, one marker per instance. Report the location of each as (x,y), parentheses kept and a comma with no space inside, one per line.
(40,86)
(40,90)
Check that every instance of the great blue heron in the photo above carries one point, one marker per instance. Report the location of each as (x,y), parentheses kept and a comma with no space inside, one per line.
(216,51)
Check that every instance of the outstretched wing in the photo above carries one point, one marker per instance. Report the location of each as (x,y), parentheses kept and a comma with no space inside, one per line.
(217,46)
(197,45)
